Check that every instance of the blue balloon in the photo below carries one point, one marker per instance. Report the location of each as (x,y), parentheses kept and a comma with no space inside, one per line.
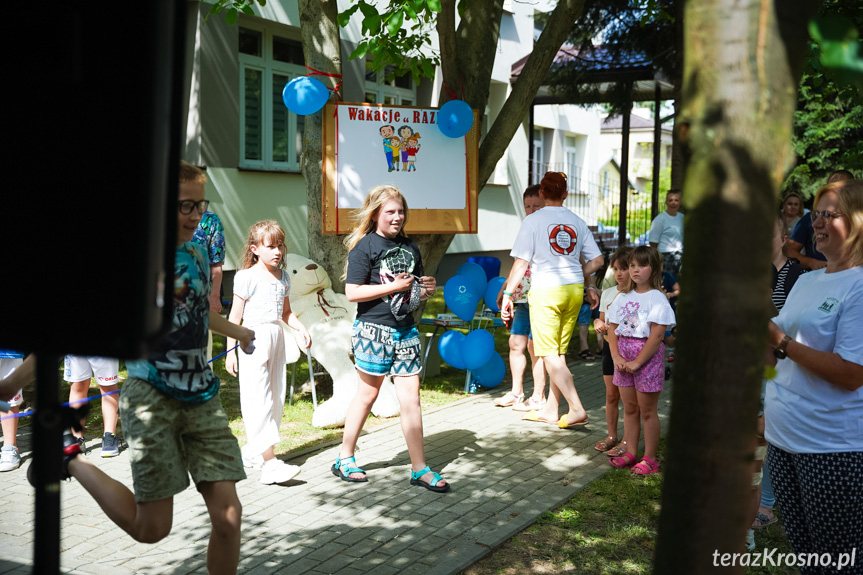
(460,297)
(492,373)
(455,119)
(477,276)
(304,95)
(491,291)
(450,348)
(477,349)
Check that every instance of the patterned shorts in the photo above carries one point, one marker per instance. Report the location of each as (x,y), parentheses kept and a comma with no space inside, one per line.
(169,439)
(651,376)
(384,350)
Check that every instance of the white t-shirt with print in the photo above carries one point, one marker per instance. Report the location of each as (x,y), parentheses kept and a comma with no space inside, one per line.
(551,240)
(264,295)
(633,313)
(667,231)
(804,413)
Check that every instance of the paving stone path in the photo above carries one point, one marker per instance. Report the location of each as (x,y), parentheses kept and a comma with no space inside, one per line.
(504,474)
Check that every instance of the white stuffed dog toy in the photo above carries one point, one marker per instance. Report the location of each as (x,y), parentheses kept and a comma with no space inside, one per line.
(329,317)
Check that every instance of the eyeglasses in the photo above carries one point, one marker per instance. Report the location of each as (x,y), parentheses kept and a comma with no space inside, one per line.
(186,206)
(559,173)
(826,214)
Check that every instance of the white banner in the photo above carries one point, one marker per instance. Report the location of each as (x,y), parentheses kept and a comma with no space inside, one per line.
(400,146)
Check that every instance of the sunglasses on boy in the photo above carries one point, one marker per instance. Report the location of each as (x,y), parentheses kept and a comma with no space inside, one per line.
(186,206)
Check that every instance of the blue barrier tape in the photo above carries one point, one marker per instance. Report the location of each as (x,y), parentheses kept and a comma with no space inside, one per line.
(91,398)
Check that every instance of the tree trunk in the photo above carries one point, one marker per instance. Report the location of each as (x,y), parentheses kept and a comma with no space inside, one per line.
(743,61)
(319,27)
(678,158)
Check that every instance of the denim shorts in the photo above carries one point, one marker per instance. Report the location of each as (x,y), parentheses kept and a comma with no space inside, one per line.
(521,320)
(584,314)
(384,350)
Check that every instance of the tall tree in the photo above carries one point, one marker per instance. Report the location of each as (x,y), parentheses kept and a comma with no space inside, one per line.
(467,53)
(743,61)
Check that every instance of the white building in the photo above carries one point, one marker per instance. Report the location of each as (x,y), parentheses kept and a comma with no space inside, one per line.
(240,129)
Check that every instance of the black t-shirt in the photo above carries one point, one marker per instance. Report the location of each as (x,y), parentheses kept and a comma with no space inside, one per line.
(375,260)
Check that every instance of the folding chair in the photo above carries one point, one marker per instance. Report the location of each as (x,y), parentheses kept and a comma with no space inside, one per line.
(312,374)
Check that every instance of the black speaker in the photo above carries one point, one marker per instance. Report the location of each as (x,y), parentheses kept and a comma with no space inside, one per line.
(88,225)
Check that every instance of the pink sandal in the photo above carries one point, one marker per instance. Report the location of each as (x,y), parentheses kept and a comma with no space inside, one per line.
(646,466)
(623,461)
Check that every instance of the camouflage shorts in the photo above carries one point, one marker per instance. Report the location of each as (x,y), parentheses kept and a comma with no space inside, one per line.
(169,439)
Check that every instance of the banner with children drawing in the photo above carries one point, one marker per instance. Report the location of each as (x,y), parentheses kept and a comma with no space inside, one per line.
(367,145)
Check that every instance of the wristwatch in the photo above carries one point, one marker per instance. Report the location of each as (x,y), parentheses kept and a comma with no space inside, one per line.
(779,351)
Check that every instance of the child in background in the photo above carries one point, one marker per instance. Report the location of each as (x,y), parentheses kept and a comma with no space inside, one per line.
(619,263)
(172,415)
(520,337)
(10,459)
(261,302)
(77,371)
(671,289)
(384,275)
(637,321)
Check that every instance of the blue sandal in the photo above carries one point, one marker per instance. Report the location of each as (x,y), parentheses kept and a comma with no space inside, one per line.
(415,480)
(343,470)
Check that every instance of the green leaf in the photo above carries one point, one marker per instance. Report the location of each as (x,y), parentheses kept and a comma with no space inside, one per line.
(231,16)
(434,5)
(360,51)
(395,23)
(412,15)
(367,9)
(372,24)
(247,9)
(835,28)
(217,7)
(262,2)
(428,69)
(345,17)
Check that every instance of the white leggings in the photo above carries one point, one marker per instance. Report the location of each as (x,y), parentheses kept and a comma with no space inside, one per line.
(262,387)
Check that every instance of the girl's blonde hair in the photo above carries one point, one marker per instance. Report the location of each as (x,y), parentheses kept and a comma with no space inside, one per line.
(258,234)
(367,217)
(646,256)
(850,200)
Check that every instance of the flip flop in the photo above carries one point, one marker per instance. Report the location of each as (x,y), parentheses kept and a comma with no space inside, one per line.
(562,424)
(533,415)
(586,355)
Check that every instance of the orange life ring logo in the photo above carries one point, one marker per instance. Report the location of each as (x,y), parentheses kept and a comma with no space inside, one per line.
(562,239)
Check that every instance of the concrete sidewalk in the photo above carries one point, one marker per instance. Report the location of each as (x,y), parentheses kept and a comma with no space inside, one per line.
(504,474)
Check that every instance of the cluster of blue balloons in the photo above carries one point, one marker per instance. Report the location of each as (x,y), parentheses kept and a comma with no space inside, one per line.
(455,118)
(474,351)
(463,291)
(304,95)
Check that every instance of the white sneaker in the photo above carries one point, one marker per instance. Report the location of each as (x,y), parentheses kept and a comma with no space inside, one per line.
(277,471)
(9,458)
(251,461)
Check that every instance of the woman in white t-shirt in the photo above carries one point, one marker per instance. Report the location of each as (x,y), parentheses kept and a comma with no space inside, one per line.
(551,241)
(814,405)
